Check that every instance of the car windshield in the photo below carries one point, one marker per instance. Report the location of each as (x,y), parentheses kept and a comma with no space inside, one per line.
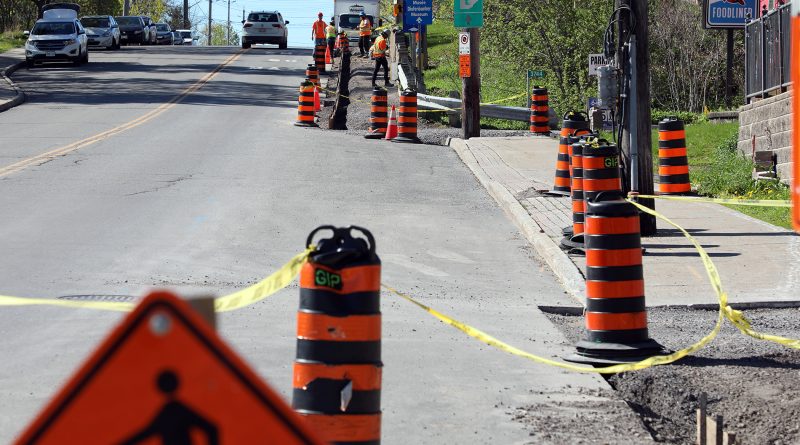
(262,17)
(351,21)
(95,22)
(186,34)
(53,28)
(128,20)
(163,27)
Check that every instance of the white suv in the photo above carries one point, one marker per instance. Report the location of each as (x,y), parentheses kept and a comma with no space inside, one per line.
(58,36)
(265,27)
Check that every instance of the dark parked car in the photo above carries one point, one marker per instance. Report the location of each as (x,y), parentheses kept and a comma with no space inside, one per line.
(176,38)
(132,30)
(163,34)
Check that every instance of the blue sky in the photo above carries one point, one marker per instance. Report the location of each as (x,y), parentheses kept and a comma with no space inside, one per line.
(301,14)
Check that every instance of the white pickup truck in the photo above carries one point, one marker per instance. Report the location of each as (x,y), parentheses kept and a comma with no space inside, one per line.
(347,14)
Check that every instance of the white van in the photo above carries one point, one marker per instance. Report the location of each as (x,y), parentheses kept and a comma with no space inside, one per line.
(57,37)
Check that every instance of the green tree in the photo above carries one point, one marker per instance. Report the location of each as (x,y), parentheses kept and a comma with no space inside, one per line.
(218,35)
(155,9)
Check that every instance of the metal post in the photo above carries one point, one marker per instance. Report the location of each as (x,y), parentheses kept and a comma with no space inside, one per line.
(729,70)
(209,22)
(633,118)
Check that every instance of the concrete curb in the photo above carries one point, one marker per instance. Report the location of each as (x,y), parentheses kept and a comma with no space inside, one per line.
(564,269)
(19,98)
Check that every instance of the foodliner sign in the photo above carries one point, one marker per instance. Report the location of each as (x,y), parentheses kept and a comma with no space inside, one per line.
(728,13)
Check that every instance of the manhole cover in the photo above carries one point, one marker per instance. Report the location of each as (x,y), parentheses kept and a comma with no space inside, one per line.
(100,297)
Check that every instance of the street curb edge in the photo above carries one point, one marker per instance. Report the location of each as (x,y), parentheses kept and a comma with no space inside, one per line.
(19,98)
(564,269)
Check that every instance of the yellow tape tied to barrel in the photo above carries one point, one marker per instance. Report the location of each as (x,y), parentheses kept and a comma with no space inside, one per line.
(713,276)
(237,300)
(728,201)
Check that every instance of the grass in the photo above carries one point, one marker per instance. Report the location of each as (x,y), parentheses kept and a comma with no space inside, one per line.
(10,40)
(497,82)
(718,170)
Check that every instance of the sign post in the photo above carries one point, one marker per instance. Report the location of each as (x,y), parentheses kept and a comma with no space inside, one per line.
(728,15)
(469,14)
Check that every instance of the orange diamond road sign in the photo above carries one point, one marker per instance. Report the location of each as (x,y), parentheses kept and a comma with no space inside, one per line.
(164,376)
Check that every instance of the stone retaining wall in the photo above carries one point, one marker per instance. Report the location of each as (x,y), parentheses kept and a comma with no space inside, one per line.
(766,125)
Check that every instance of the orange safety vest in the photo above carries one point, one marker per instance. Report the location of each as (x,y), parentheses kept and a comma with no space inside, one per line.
(319,29)
(379,48)
(366,27)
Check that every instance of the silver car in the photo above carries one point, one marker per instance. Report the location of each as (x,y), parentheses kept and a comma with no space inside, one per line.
(102,30)
(58,36)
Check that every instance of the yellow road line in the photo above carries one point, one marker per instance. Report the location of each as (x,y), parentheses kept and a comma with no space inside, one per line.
(61,151)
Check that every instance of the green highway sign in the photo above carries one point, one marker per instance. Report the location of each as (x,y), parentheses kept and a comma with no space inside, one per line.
(535,74)
(468,13)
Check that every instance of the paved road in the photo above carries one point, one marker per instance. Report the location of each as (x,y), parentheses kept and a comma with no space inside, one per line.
(213,191)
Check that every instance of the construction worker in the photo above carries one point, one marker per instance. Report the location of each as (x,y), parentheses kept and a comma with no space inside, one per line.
(330,34)
(318,31)
(379,52)
(364,34)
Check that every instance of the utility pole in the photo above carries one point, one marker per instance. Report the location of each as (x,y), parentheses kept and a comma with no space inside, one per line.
(228,29)
(471,92)
(638,165)
(126,7)
(209,22)
(185,14)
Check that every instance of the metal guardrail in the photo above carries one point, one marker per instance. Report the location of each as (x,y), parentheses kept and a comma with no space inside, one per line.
(767,53)
(427,102)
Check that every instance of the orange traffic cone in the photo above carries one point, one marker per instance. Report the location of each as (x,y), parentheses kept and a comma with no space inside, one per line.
(391,131)
(317,106)
(328,55)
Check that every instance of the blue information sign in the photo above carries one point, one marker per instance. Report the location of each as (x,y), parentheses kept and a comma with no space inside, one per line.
(729,13)
(417,13)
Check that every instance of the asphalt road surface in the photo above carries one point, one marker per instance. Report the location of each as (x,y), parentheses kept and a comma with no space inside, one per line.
(127,174)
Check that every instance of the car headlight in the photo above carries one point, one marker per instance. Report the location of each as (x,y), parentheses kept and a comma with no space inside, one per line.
(30,45)
(106,34)
(70,41)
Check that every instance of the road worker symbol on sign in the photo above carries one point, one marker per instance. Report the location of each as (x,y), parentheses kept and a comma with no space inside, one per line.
(164,376)
(175,421)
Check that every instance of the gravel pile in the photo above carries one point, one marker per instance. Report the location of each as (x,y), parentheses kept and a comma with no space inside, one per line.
(359,109)
(753,384)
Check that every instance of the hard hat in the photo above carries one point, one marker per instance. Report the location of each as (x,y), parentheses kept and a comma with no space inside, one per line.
(385,33)
(320,14)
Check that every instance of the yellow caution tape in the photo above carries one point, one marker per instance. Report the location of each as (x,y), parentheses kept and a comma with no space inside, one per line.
(736,317)
(102,305)
(237,300)
(266,287)
(713,275)
(732,201)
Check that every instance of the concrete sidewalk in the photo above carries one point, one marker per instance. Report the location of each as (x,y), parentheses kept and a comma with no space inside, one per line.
(758,262)
(10,95)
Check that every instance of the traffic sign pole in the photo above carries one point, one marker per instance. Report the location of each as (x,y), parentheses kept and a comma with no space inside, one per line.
(470,107)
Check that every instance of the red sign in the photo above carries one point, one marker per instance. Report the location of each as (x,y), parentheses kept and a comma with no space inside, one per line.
(465,68)
(164,376)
